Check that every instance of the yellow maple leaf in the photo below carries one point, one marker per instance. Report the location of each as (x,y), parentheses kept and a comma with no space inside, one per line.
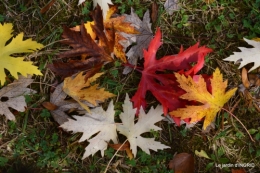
(17,45)
(80,90)
(211,103)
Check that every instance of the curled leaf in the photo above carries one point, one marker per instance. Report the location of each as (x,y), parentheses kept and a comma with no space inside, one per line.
(245,81)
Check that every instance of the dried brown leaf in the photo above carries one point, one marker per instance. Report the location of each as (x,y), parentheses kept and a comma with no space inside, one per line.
(182,163)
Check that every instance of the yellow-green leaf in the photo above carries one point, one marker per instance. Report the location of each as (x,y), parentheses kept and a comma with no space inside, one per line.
(202,153)
(17,45)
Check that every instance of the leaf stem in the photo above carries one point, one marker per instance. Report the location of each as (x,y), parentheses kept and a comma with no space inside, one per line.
(240,123)
(139,69)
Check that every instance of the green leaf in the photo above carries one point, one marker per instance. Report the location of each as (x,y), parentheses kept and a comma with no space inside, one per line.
(131,162)
(45,113)
(209,166)
(3,161)
(257,136)
(220,152)
(252,131)
(224,160)
(2,18)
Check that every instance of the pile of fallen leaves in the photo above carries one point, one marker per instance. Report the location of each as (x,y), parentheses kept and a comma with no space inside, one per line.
(174,80)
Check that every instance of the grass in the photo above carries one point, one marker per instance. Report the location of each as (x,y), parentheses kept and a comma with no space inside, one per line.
(36,140)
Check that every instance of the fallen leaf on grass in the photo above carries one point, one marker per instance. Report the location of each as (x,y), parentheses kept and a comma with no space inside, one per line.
(145,124)
(164,85)
(100,122)
(47,6)
(202,153)
(171,5)
(80,90)
(154,14)
(247,55)
(96,53)
(182,163)
(250,88)
(12,96)
(244,77)
(17,45)
(114,27)
(211,103)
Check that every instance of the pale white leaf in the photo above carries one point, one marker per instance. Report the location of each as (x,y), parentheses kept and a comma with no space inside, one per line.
(100,122)
(247,55)
(170,6)
(12,96)
(145,124)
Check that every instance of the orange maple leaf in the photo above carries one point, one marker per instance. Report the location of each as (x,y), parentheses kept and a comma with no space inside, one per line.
(211,103)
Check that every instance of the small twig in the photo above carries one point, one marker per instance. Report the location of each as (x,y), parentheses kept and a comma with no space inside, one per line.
(239,122)
(235,106)
(45,84)
(114,156)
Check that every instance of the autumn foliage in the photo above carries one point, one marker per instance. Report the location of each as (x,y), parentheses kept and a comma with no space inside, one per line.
(164,85)
(173,80)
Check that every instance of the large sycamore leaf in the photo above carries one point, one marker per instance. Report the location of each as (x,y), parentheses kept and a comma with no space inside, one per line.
(164,86)
(247,55)
(12,96)
(17,45)
(211,103)
(80,90)
(145,124)
(100,122)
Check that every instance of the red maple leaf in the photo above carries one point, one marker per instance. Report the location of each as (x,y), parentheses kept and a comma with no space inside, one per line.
(163,85)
